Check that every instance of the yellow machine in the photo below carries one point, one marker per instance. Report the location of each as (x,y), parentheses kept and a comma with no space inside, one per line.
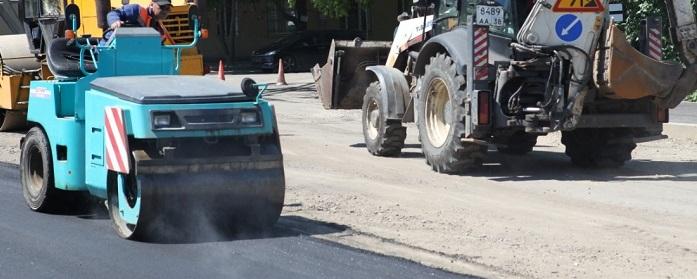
(20,59)
(19,67)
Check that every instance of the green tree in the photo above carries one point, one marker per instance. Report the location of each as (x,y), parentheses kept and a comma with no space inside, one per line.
(334,8)
(331,8)
(636,11)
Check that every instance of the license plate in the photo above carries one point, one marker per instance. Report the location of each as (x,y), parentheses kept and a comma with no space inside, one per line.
(490,15)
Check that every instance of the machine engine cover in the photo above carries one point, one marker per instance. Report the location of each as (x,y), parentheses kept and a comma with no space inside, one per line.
(170,89)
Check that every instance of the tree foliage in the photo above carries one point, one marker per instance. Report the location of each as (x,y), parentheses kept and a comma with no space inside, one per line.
(330,8)
(637,10)
(335,8)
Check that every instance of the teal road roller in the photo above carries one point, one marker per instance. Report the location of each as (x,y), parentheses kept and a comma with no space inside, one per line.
(170,154)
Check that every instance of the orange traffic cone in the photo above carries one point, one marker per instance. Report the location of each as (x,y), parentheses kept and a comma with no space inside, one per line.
(281,74)
(221,70)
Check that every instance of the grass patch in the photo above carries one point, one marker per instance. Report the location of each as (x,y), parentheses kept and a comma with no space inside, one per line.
(692,97)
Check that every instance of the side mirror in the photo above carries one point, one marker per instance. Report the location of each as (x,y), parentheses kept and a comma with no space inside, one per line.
(72,17)
(250,88)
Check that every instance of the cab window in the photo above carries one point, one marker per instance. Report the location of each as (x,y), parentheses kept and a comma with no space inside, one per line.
(52,8)
(447,16)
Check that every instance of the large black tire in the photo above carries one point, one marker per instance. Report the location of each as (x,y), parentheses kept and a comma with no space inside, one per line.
(518,143)
(600,148)
(442,118)
(122,228)
(36,171)
(383,137)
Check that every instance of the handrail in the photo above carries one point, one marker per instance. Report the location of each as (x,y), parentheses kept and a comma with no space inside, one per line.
(179,48)
(90,47)
(263,86)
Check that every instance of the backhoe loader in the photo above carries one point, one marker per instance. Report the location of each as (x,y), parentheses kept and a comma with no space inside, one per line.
(476,73)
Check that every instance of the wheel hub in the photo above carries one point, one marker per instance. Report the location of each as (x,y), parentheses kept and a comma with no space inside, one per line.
(372,117)
(128,198)
(438,112)
(36,171)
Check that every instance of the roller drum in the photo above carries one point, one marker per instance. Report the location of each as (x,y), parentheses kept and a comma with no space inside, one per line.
(183,200)
(15,53)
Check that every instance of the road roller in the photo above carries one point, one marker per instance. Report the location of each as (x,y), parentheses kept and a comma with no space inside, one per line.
(171,155)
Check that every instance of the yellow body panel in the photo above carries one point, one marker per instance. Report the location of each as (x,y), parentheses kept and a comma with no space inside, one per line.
(191,65)
(13,96)
(88,17)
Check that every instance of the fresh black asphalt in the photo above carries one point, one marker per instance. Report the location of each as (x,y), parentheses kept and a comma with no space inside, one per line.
(36,245)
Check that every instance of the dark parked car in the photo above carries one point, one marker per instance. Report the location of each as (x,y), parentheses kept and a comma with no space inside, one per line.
(300,51)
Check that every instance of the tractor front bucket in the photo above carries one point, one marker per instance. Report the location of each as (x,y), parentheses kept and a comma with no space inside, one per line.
(623,72)
(189,199)
(341,83)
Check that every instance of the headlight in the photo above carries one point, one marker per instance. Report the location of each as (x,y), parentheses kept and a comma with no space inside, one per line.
(249,117)
(163,120)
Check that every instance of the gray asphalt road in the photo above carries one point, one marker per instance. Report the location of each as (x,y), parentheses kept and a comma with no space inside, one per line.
(34,245)
(684,113)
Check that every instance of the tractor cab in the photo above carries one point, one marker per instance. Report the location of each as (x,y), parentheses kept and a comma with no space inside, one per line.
(504,17)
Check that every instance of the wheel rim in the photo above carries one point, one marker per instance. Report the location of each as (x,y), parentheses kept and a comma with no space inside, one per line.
(124,204)
(36,171)
(288,64)
(372,116)
(438,111)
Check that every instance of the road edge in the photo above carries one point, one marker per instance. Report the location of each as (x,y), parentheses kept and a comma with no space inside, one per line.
(680,131)
(459,264)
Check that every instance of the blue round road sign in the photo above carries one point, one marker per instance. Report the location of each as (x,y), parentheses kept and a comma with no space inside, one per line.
(569,28)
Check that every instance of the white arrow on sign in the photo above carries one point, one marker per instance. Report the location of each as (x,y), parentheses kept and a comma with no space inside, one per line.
(566,30)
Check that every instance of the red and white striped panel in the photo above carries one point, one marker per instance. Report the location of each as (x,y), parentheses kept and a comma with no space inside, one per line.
(655,44)
(481,53)
(117,158)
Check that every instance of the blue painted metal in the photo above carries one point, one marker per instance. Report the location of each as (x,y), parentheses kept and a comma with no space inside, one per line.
(72,114)
(128,214)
